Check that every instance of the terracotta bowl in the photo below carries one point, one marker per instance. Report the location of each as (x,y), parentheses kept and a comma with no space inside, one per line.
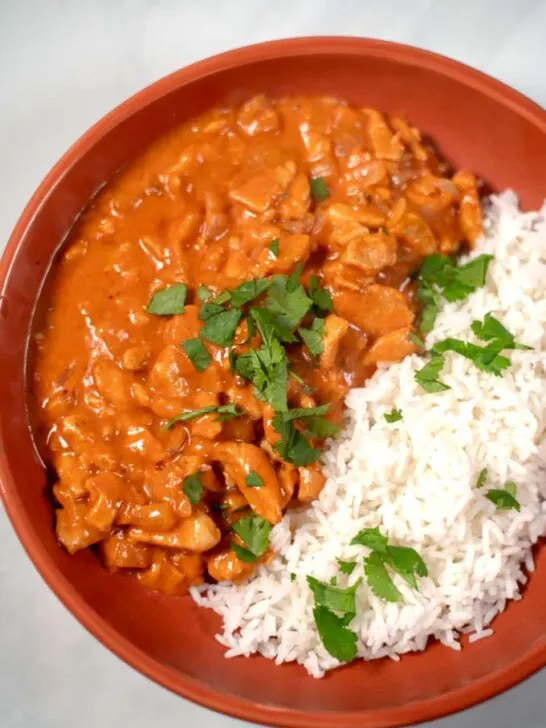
(477,123)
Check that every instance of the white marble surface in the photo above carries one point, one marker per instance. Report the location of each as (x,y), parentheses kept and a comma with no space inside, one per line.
(63,64)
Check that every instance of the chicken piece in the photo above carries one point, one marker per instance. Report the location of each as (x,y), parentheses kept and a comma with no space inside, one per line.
(119,553)
(312,482)
(317,145)
(385,144)
(432,194)
(376,311)
(335,329)
(338,275)
(293,249)
(71,526)
(170,372)
(179,328)
(410,136)
(360,174)
(257,116)
(197,533)
(298,199)
(393,346)
(261,192)
(470,216)
(416,233)
(191,565)
(105,496)
(136,357)
(113,383)
(371,253)
(151,516)
(162,575)
(288,479)
(165,484)
(239,459)
(226,566)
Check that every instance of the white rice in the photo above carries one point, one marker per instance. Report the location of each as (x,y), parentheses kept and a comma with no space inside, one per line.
(415,479)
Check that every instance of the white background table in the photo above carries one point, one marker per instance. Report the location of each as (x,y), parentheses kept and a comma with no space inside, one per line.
(63,64)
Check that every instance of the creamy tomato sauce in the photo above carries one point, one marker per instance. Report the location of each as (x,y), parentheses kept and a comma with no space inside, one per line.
(174,459)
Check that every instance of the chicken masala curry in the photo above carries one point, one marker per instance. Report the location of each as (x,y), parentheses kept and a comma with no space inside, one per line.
(209,314)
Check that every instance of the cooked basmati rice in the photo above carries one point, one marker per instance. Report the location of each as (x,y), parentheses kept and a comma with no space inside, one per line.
(415,479)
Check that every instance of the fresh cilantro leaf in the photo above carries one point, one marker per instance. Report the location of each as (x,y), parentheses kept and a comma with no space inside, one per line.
(204,293)
(220,327)
(270,327)
(378,578)
(306,388)
(312,337)
(321,297)
(319,189)
(168,301)
(232,359)
(430,305)
(225,412)
(293,280)
(333,597)
(406,562)
(346,567)
(254,532)
(210,309)
(486,358)
(427,376)
(490,329)
(302,413)
(412,336)
(372,538)
(267,369)
(292,577)
(193,488)
(287,306)
(320,427)
(223,297)
(197,352)
(293,447)
(482,477)
(394,415)
(253,480)
(511,487)
(504,500)
(338,640)
(242,553)
(454,282)
(248,291)
(274,246)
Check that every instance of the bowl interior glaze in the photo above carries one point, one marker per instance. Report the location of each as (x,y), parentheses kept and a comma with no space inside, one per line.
(477,123)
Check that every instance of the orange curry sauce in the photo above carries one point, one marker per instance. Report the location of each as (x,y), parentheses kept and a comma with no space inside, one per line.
(237,194)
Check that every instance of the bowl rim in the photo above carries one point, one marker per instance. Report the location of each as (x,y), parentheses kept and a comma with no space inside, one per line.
(189,688)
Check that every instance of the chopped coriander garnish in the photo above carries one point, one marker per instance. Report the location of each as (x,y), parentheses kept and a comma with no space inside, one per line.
(320,296)
(482,477)
(491,330)
(287,301)
(319,189)
(225,412)
(210,309)
(292,576)
(412,336)
(338,640)
(312,337)
(267,369)
(346,567)
(242,553)
(223,297)
(440,276)
(220,327)
(379,579)
(333,597)
(197,352)
(504,499)
(204,293)
(193,488)
(274,246)
(486,358)
(293,445)
(302,413)
(427,376)
(248,291)
(403,560)
(253,480)
(232,359)
(168,301)
(372,538)
(254,532)
(394,415)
